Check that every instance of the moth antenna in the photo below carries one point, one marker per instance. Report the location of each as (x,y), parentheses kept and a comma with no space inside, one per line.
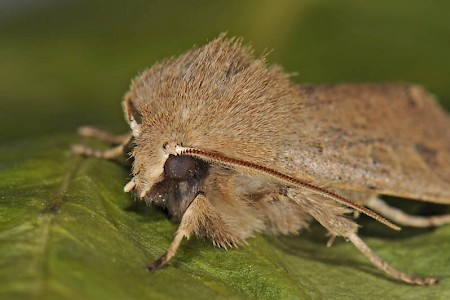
(280,177)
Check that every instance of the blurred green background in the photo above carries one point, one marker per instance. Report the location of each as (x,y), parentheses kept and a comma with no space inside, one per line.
(68,63)
(66,228)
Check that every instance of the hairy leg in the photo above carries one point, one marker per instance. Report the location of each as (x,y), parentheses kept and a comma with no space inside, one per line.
(112,153)
(380,264)
(105,154)
(92,132)
(332,217)
(398,216)
(188,225)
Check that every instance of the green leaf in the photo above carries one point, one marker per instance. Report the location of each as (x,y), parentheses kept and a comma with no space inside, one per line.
(67,231)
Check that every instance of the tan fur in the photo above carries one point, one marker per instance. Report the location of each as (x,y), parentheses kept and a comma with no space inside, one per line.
(216,98)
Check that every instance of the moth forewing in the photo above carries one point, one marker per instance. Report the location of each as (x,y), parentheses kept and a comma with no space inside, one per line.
(228,146)
(390,139)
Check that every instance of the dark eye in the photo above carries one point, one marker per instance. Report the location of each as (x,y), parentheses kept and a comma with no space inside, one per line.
(180,167)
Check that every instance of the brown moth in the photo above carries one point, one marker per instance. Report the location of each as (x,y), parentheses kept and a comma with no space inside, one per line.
(228,146)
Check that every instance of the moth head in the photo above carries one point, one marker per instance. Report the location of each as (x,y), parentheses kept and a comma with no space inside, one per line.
(217,98)
(155,158)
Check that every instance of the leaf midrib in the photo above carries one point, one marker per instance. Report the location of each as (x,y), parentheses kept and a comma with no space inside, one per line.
(45,220)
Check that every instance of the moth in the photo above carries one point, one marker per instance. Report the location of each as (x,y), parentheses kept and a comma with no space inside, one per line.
(228,146)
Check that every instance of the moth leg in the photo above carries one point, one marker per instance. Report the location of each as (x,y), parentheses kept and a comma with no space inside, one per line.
(385,267)
(188,224)
(120,140)
(331,239)
(339,225)
(332,217)
(398,216)
(92,132)
(105,154)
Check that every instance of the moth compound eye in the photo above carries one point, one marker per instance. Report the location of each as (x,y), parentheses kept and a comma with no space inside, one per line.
(179,167)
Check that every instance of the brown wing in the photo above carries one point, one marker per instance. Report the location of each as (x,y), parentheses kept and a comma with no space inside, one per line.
(389,139)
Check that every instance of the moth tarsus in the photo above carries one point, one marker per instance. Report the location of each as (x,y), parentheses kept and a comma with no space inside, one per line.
(400,217)
(228,146)
(105,154)
(92,132)
(121,142)
(385,267)
(184,230)
(157,264)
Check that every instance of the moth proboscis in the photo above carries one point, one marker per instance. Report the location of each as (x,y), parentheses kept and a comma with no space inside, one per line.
(228,146)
